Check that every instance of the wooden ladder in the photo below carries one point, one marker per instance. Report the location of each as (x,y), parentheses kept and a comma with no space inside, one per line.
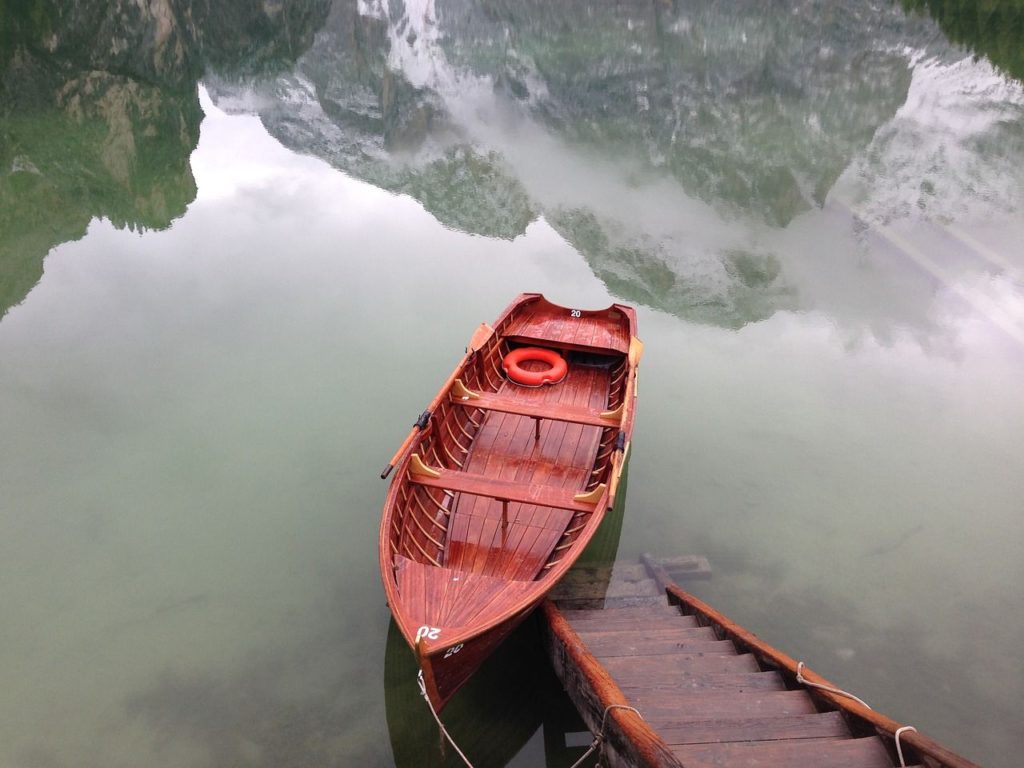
(705,699)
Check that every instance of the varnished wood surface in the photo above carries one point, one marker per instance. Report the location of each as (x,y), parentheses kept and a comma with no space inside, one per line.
(536,408)
(443,597)
(499,490)
(551,470)
(602,329)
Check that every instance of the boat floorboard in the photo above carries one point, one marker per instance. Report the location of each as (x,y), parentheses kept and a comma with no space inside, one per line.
(507,448)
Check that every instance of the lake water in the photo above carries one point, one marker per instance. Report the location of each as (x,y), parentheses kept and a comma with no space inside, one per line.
(262,257)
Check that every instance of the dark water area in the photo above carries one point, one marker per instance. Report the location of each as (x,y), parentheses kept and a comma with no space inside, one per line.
(242,243)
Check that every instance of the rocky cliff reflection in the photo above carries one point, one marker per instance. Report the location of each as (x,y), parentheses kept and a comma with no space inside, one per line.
(685,150)
(671,145)
(99,112)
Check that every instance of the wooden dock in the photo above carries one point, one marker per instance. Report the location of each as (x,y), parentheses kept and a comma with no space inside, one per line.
(675,683)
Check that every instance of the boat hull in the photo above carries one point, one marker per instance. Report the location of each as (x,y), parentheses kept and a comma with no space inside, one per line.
(499,487)
(446,669)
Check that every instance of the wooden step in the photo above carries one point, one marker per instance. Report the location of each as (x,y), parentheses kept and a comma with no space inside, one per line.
(573,589)
(693,663)
(800,753)
(711,706)
(821,725)
(637,645)
(628,623)
(590,603)
(634,617)
(664,623)
(637,682)
(665,708)
(669,631)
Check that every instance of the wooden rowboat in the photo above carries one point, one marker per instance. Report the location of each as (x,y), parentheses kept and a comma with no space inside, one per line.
(499,487)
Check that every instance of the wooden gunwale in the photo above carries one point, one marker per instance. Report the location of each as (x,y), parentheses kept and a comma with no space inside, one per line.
(773,658)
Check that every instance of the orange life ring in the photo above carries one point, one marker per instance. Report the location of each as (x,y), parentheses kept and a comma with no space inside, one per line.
(556,371)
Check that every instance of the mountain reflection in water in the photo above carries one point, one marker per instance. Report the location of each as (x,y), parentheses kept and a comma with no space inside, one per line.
(675,149)
(673,146)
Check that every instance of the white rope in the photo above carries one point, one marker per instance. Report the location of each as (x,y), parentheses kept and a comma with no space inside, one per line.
(899,748)
(599,738)
(423,692)
(899,731)
(803,680)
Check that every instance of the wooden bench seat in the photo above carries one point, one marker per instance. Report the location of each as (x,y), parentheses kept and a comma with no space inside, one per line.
(503,490)
(461,395)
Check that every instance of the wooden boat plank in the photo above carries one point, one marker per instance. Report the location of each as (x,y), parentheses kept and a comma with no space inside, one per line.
(480,485)
(445,598)
(799,753)
(541,325)
(481,544)
(548,473)
(537,410)
(702,730)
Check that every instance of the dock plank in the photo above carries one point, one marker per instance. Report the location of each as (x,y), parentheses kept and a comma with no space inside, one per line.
(668,631)
(821,725)
(634,614)
(666,707)
(605,648)
(799,753)
(639,681)
(596,624)
(683,662)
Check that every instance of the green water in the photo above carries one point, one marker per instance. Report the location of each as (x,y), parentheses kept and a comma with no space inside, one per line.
(227,299)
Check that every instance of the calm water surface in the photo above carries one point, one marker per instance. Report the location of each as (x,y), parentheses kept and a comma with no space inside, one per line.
(237,261)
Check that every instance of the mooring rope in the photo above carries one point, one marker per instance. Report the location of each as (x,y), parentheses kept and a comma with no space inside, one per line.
(803,680)
(599,738)
(423,692)
(899,747)
(899,731)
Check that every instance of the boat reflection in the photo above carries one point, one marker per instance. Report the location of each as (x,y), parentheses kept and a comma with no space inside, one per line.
(491,719)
